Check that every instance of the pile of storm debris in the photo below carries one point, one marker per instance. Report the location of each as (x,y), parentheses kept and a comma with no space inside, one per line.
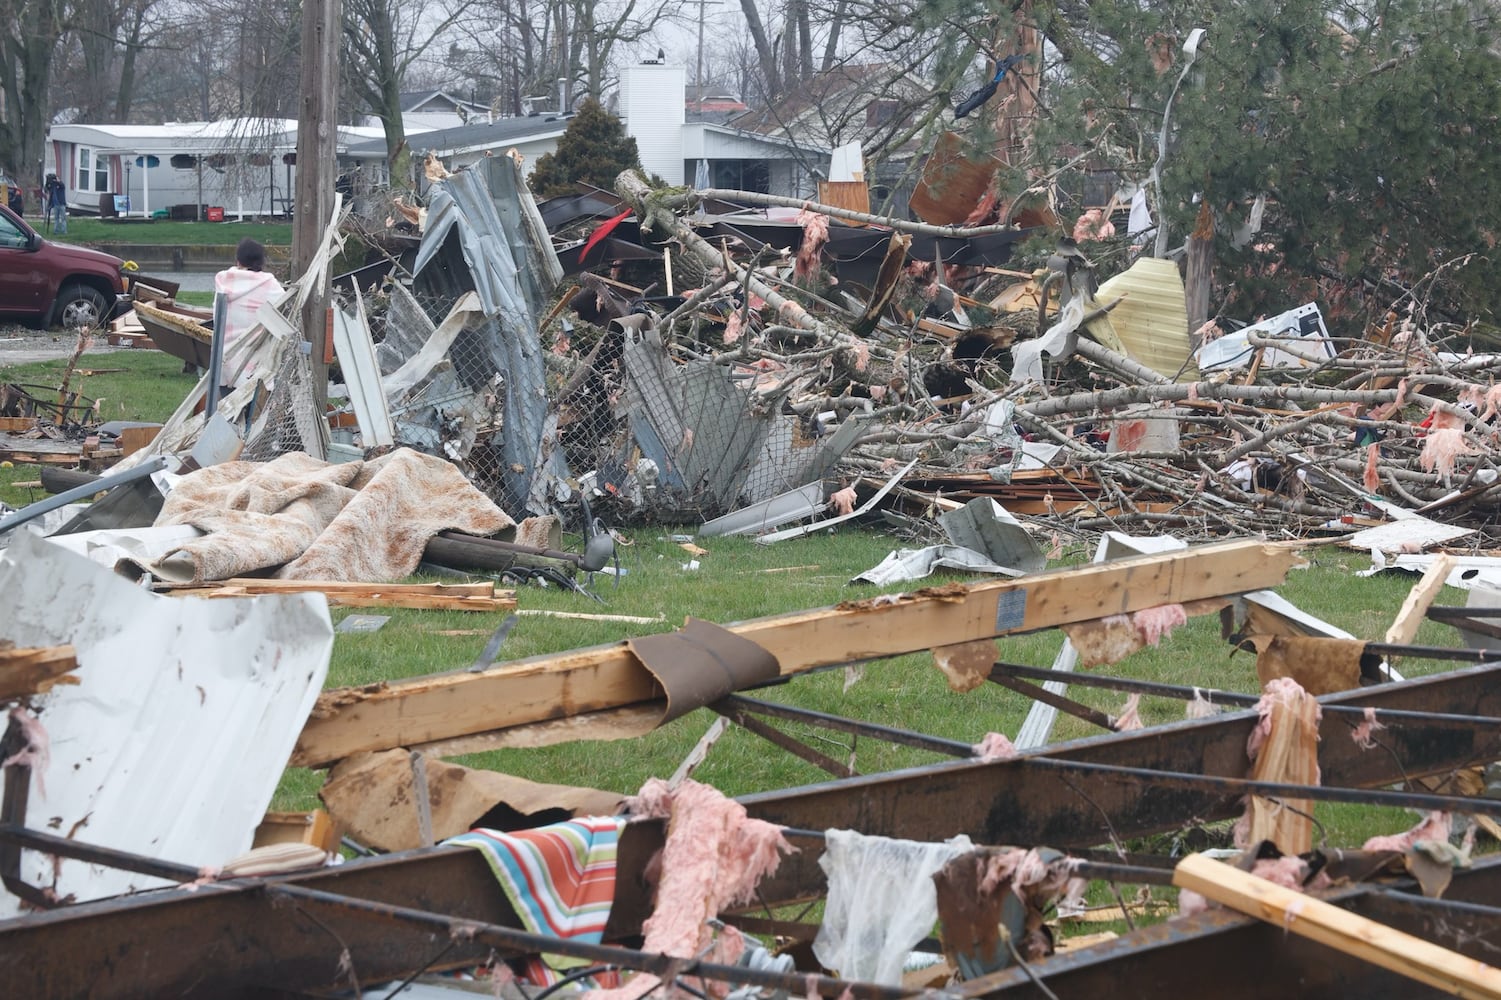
(743,362)
(686,356)
(1088,402)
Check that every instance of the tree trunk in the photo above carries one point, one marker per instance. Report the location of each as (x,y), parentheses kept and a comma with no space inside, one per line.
(24,79)
(836,27)
(770,78)
(1200,270)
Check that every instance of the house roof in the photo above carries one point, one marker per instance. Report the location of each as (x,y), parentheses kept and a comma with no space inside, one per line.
(417,100)
(467,138)
(830,108)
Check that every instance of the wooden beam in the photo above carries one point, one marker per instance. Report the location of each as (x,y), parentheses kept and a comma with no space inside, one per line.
(433,597)
(1405,626)
(446,706)
(1340,929)
(33,670)
(254,585)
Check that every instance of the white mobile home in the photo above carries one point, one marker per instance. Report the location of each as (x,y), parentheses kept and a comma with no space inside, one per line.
(244,166)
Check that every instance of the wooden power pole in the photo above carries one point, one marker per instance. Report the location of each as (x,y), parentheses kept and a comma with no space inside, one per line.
(316,170)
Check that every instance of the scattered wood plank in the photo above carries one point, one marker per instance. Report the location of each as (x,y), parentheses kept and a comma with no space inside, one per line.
(445,707)
(33,670)
(17,425)
(422,596)
(1340,929)
(1405,626)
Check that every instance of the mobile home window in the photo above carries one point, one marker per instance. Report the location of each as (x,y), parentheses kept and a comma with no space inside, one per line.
(85,162)
(101,173)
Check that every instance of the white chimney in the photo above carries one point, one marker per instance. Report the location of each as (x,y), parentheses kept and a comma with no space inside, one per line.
(653,108)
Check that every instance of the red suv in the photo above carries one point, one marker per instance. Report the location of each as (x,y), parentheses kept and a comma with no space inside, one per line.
(56,284)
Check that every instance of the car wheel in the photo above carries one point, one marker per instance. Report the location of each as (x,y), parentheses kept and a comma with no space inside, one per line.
(79,306)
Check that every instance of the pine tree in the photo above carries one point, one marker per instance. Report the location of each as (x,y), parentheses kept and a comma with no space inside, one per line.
(1370,129)
(594,150)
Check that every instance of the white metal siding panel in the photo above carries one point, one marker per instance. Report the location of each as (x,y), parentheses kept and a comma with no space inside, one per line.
(653,109)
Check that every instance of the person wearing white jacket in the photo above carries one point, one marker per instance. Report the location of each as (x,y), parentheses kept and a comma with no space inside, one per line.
(244,288)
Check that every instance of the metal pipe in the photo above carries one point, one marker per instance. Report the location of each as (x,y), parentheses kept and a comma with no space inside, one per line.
(1438,720)
(888,734)
(1270,789)
(216,356)
(62,847)
(33,511)
(521,942)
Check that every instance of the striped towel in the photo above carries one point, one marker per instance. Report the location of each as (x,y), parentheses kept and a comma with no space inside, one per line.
(560,879)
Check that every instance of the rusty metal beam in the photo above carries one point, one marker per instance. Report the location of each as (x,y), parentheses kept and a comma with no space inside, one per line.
(1008,802)
(741,717)
(1233,957)
(230,940)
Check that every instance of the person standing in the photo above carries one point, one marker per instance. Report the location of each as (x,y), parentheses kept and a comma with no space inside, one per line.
(244,288)
(55,205)
(17,200)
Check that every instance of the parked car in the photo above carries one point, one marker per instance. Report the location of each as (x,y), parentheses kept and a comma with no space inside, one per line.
(56,284)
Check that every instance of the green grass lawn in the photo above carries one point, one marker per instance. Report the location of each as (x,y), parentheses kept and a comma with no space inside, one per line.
(130,385)
(97,232)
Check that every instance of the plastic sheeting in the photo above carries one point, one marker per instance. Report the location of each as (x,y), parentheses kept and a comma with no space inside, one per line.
(881,902)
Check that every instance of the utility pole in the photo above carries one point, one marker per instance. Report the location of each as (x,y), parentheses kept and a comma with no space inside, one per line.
(317,133)
(698,70)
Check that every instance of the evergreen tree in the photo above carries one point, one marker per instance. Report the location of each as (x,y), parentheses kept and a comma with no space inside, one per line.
(1370,129)
(594,150)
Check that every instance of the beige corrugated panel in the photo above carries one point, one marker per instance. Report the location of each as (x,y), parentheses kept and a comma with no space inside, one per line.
(1151,323)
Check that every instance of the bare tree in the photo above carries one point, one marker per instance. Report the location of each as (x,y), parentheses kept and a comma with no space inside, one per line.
(383,39)
(33,30)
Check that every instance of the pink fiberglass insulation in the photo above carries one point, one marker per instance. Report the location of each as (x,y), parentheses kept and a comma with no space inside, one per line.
(1156,624)
(714,857)
(36,754)
(1361,734)
(1288,871)
(1371,477)
(1435,826)
(1283,689)
(815,235)
(1441,448)
(995,746)
(1130,717)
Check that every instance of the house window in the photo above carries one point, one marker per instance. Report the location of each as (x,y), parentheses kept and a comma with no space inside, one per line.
(85,164)
(101,173)
(183,161)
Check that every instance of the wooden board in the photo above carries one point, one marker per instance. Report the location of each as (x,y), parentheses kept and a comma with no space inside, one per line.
(33,670)
(417,596)
(315,828)
(447,706)
(1342,930)
(1405,626)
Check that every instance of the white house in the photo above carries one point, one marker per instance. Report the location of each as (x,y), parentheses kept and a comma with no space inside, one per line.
(244,166)
(653,108)
(653,101)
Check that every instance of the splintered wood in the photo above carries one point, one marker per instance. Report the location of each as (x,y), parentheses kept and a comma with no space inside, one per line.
(423,596)
(1285,748)
(31,671)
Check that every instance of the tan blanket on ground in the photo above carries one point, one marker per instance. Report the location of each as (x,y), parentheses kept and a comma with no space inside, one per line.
(361,522)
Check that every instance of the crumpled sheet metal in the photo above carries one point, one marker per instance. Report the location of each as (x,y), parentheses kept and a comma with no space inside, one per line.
(480,237)
(186,711)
